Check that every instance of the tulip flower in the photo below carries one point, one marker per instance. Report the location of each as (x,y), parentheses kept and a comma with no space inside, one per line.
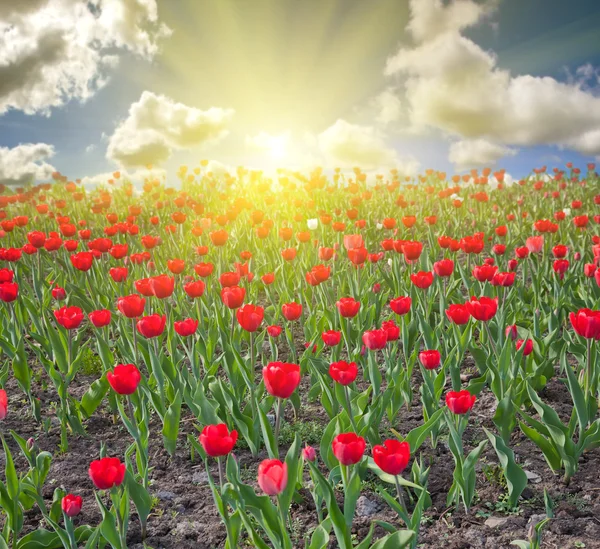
(444,267)
(527,345)
(482,309)
(391,329)
(250,317)
(281,378)
(343,372)
(348,307)
(3,404)
(348,448)
(69,318)
(401,305)
(9,291)
(331,338)
(107,473)
(162,286)
(185,327)
(71,505)
(152,325)
(217,440)
(233,296)
(124,379)
(194,289)
(392,457)
(291,311)
(309,453)
(430,359)
(375,339)
(82,261)
(459,314)
(100,318)
(272,476)
(422,279)
(131,306)
(274,331)
(460,402)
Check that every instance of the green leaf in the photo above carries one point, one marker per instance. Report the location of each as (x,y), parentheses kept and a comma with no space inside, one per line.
(397,540)
(171,424)
(320,537)
(93,396)
(516,479)
(12,480)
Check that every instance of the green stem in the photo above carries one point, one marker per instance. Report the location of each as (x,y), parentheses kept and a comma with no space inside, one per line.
(278,414)
(349,409)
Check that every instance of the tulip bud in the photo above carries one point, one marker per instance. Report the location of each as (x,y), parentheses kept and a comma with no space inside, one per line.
(511,331)
(309,453)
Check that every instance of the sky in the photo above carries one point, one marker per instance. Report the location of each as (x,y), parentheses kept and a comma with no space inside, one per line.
(87,88)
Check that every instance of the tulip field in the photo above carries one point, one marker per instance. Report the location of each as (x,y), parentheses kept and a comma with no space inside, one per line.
(312,360)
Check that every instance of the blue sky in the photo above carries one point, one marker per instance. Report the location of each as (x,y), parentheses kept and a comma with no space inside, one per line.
(294,69)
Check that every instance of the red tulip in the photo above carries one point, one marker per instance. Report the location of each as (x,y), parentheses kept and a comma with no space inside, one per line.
(71,505)
(483,308)
(268,278)
(309,453)
(6,275)
(444,267)
(107,473)
(422,279)
(331,338)
(217,440)
(124,379)
(559,251)
(194,289)
(528,349)
(162,286)
(460,402)
(348,307)
(69,318)
(204,270)
(274,331)
(511,331)
(291,311)
(430,359)
(459,314)
(233,296)
(343,372)
(484,273)
(176,266)
(401,305)
(412,250)
(186,327)
(100,318)
(36,239)
(151,325)
(348,448)
(229,279)
(375,339)
(392,457)
(82,261)
(586,323)
(391,329)
(131,306)
(503,279)
(250,317)
(535,244)
(118,274)
(9,291)
(281,378)
(3,404)
(272,476)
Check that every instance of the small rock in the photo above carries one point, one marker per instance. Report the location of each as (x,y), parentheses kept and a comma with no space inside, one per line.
(365,507)
(536,519)
(200,477)
(271,418)
(532,477)
(166,495)
(495,522)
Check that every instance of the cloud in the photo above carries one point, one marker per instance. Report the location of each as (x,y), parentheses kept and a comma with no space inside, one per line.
(53,51)
(25,163)
(156,125)
(348,145)
(474,153)
(389,106)
(455,86)
(268,142)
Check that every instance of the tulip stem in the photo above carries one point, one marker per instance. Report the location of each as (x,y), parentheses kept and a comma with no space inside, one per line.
(135,344)
(278,414)
(400,495)
(220,466)
(349,406)
(489,334)
(588,377)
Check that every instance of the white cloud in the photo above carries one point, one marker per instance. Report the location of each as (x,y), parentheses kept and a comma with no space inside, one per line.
(52,51)
(156,125)
(430,18)
(454,85)
(90,148)
(474,153)
(25,163)
(389,106)
(348,145)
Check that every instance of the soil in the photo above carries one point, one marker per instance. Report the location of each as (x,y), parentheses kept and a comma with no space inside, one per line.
(185,516)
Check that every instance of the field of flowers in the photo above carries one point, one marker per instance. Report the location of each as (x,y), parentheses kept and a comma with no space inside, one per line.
(312,361)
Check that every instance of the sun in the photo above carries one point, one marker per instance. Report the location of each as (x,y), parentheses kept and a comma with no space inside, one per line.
(278,147)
